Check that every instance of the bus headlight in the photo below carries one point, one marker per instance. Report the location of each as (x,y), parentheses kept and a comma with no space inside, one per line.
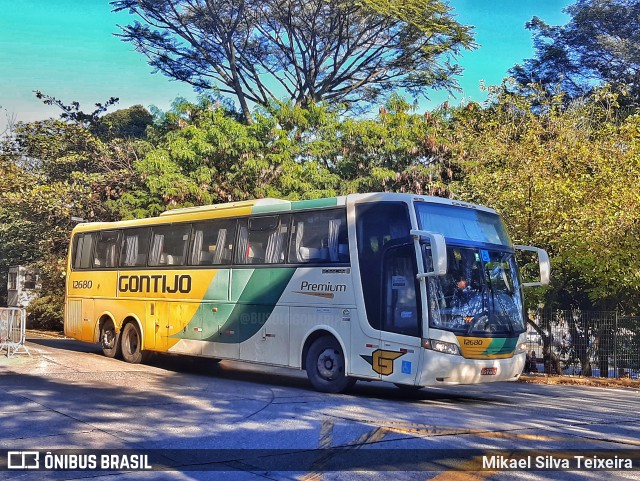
(441,346)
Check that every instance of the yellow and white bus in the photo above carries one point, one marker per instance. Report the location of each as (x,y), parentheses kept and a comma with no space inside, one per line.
(403,288)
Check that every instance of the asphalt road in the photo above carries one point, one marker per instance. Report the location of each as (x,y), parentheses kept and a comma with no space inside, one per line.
(271,424)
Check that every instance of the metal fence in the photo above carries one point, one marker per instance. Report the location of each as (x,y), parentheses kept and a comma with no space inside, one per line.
(13,322)
(584,343)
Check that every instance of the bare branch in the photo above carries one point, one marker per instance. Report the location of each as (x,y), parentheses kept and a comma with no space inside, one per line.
(310,50)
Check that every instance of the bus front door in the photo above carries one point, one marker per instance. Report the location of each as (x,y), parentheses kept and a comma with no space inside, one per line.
(400,335)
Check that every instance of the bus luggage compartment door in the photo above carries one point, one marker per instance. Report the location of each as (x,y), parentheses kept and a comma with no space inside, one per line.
(266,340)
(88,332)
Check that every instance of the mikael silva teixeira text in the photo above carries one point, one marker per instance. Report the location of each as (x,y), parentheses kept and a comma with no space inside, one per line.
(588,462)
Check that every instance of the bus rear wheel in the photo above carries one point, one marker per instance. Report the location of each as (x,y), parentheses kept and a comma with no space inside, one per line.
(110,341)
(326,367)
(131,344)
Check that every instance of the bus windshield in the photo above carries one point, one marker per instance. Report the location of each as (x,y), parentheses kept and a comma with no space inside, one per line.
(461,223)
(480,294)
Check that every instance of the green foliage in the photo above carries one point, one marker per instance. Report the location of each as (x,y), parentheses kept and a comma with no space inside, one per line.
(562,177)
(208,156)
(51,171)
(46,312)
(124,123)
(204,154)
(396,151)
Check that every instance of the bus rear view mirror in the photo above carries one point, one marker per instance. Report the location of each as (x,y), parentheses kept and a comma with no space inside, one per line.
(543,269)
(438,247)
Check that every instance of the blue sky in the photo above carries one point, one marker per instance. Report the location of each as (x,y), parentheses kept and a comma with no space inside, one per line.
(66,48)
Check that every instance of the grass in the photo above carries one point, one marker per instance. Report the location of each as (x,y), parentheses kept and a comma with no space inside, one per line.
(580,381)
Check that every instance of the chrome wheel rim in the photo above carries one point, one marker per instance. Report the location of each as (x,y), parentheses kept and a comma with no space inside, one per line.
(329,363)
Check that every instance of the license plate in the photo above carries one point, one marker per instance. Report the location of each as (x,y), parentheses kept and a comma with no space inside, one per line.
(489,371)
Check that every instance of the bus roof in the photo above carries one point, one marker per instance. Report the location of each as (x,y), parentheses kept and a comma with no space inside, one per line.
(402,197)
(229,205)
(268,205)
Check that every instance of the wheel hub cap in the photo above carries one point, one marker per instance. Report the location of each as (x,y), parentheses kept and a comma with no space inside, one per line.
(107,339)
(328,364)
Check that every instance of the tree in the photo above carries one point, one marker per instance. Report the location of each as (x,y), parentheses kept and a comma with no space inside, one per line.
(72,113)
(395,151)
(563,178)
(205,155)
(265,50)
(9,122)
(129,123)
(51,171)
(601,44)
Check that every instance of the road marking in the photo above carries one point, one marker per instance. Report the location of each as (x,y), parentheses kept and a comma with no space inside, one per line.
(441,431)
(326,434)
(373,436)
(402,427)
(326,437)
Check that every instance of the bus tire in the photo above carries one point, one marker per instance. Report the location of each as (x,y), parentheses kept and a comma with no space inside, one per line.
(131,344)
(110,341)
(326,367)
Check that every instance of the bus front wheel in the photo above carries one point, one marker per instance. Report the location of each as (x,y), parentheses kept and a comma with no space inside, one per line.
(131,344)
(326,367)
(110,341)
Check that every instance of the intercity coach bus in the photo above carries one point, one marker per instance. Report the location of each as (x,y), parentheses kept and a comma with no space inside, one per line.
(409,289)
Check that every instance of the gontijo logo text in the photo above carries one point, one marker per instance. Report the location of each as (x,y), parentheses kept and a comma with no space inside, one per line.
(155,283)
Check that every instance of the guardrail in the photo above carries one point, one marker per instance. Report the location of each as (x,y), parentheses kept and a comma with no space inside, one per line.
(13,321)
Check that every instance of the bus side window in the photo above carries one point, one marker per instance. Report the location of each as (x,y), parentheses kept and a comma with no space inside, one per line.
(212,243)
(83,246)
(262,240)
(169,245)
(106,250)
(135,247)
(319,237)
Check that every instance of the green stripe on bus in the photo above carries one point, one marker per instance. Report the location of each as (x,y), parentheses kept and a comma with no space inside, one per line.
(233,323)
(501,346)
(266,285)
(219,287)
(314,203)
(239,280)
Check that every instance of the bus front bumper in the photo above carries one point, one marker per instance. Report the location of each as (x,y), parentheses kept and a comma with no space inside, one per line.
(441,368)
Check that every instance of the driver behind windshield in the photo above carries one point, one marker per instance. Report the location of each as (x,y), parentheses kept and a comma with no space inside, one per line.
(466,301)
